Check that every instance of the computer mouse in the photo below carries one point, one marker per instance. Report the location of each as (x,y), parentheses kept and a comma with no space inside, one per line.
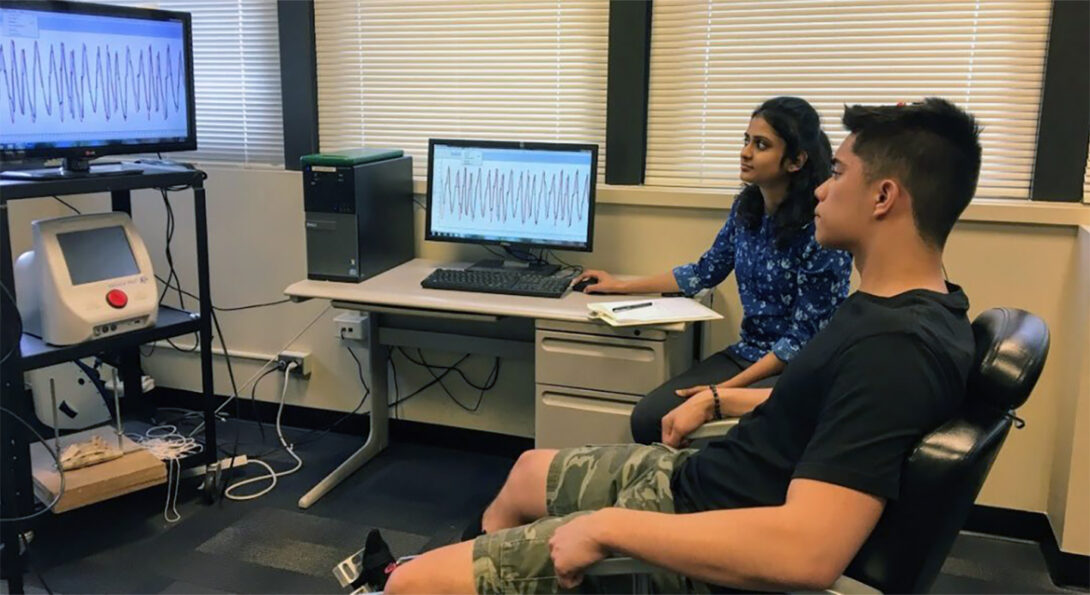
(581,286)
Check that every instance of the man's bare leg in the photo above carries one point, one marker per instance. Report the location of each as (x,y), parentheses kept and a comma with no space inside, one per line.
(522,497)
(448,569)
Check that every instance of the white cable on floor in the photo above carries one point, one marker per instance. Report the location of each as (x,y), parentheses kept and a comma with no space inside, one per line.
(273,475)
(272,360)
(167,445)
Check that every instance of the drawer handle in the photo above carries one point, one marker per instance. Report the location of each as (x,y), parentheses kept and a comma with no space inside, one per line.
(585,404)
(625,352)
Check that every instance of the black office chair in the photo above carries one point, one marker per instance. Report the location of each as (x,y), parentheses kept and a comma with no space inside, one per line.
(943,475)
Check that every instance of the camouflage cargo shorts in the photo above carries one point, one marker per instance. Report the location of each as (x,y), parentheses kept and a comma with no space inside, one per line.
(582,480)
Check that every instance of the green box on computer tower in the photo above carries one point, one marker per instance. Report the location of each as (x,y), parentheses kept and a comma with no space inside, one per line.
(359,213)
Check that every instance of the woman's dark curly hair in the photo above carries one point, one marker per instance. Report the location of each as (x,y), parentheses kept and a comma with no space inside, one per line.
(798,124)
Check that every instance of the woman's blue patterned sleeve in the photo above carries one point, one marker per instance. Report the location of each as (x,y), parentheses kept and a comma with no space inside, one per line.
(823,279)
(713,266)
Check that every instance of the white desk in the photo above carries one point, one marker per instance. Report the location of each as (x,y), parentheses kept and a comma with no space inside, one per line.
(400,288)
(587,375)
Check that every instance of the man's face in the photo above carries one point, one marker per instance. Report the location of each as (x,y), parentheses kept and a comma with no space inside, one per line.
(845,201)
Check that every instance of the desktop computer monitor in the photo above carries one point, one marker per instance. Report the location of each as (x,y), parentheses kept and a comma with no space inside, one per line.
(82,80)
(515,194)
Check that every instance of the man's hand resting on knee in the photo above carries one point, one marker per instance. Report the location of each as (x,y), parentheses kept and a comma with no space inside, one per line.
(574,547)
(699,409)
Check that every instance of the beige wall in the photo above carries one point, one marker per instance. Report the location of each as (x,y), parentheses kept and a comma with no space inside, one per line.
(256,238)
(1070,487)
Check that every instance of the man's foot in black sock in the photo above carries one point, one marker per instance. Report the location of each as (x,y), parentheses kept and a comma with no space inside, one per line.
(378,563)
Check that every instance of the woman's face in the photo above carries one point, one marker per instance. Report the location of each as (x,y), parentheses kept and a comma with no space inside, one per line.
(762,154)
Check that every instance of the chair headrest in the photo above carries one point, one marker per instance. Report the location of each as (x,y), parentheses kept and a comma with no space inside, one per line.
(1011,347)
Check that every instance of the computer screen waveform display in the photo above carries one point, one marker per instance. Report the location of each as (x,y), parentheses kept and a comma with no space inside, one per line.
(530,195)
(86,80)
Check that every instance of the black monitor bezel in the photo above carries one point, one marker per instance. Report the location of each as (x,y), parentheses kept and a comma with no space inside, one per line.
(495,144)
(116,147)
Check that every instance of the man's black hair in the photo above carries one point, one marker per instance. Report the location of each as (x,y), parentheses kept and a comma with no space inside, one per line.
(933,148)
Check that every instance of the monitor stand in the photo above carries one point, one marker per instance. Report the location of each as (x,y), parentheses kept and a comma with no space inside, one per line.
(533,268)
(73,167)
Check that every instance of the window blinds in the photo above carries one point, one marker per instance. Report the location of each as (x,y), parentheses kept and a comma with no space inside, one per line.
(714,61)
(394,73)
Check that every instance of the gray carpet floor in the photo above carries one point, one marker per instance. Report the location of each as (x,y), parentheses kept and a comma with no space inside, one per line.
(420,496)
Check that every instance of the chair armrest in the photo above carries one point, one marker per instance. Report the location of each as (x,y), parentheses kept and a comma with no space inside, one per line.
(846,585)
(714,429)
(618,565)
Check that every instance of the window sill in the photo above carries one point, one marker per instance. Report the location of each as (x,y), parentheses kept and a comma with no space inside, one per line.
(981,209)
(990,210)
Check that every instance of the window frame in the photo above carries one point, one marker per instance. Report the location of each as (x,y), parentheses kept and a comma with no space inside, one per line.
(1059,162)
(1058,168)
(298,63)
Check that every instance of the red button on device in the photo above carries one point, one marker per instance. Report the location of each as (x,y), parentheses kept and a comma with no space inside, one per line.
(117,298)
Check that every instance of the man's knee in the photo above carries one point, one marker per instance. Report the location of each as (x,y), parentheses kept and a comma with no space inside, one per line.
(522,497)
(531,467)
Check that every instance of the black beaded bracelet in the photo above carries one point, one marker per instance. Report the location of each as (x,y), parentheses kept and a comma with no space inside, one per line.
(715,401)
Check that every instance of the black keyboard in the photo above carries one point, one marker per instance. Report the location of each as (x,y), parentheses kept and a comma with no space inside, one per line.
(509,282)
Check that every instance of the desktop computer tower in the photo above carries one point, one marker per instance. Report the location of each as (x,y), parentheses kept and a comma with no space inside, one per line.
(359,214)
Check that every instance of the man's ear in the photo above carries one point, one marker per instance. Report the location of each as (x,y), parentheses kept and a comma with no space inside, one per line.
(798,162)
(888,194)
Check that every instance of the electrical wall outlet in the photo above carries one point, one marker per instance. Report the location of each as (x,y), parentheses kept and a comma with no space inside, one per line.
(350,325)
(299,358)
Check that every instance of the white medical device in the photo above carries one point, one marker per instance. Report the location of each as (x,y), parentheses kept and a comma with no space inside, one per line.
(89,276)
(78,402)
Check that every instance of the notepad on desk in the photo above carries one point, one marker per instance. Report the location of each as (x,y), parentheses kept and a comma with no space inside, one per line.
(652,311)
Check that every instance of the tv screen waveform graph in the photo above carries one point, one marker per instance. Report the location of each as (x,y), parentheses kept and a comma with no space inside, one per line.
(69,79)
(116,82)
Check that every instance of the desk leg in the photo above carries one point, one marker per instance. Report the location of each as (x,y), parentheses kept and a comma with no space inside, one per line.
(378,438)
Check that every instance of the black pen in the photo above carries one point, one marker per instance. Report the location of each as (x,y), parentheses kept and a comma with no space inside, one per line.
(632,306)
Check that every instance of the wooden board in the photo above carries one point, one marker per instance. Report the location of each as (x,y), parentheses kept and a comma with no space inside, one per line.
(136,470)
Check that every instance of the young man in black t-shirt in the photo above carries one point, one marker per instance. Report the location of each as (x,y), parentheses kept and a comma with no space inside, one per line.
(786,499)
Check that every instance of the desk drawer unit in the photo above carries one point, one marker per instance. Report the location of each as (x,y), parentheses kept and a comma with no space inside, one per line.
(566,417)
(597,362)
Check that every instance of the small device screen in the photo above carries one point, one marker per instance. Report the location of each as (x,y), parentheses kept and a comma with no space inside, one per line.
(97,254)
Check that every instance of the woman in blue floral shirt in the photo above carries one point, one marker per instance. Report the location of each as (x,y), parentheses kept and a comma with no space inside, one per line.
(788,284)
